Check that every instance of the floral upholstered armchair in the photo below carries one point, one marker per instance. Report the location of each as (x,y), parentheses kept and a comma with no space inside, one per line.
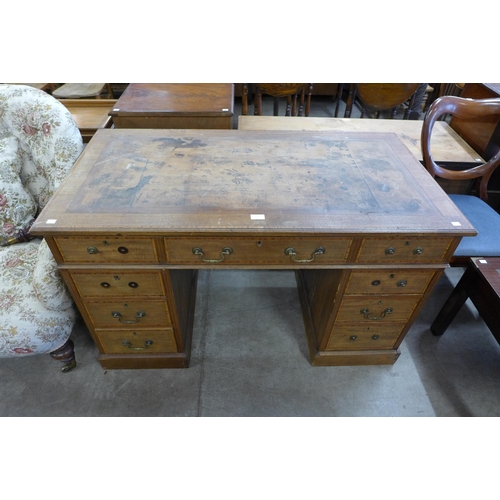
(39,143)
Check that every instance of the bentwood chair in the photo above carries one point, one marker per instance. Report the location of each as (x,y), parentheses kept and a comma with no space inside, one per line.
(297,96)
(377,97)
(476,208)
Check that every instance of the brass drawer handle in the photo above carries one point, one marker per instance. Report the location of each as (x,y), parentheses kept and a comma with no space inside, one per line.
(292,254)
(418,251)
(92,250)
(402,283)
(225,251)
(366,313)
(138,316)
(147,343)
(390,251)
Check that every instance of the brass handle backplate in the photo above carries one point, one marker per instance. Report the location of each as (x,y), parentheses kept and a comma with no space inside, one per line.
(225,251)
(366,313)
(138,316)
(147,343)
(293,254)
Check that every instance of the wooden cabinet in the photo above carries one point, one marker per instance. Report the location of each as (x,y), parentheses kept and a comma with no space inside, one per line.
(365,228)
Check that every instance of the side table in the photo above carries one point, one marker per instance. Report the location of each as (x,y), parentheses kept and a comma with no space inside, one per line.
(480,283)
(175,106)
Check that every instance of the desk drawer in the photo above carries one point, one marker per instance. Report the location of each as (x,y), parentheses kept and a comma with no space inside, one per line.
(137,341)
(361,336)
(403,250)
(383,309)
(92,283)
(286,251)
(400,281)
(130,315)
(107,250)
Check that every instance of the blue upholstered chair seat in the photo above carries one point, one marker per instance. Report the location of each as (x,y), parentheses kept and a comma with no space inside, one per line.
(487,223)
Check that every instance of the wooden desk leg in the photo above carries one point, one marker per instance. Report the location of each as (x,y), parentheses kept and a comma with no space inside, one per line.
(455,301)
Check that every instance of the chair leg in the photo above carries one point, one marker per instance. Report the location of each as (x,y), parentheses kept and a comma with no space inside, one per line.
(66,354)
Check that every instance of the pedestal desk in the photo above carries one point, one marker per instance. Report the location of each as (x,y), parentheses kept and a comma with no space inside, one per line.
(366,229)
(175,105)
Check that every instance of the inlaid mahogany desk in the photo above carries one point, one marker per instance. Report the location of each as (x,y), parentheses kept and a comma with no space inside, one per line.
(175,105)
(365,228)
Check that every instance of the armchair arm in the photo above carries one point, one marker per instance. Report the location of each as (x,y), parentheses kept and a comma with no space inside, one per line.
(48,284)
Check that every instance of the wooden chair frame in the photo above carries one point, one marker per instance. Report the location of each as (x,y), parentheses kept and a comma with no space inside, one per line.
(463,108)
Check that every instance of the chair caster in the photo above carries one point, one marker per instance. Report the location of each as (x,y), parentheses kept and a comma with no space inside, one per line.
(66,354)
(69,366)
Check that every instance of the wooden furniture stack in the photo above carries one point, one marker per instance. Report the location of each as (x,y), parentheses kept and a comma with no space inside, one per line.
(366,229)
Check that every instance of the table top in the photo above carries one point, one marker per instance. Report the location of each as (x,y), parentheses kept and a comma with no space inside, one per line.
(489,267)
(235,182)
(446,144)
(176,99)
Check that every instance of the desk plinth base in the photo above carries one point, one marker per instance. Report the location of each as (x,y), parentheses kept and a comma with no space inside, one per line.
(137,361)
(352,358)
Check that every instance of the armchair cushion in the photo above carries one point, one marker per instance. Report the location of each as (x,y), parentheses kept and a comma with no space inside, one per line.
(17,206)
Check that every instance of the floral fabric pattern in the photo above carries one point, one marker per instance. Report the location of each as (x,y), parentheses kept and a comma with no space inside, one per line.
(17,206)
(39,143)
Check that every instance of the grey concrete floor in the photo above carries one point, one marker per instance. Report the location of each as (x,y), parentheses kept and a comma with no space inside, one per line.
(250,358)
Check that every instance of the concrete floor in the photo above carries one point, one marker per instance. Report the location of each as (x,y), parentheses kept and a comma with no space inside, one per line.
(250,358)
